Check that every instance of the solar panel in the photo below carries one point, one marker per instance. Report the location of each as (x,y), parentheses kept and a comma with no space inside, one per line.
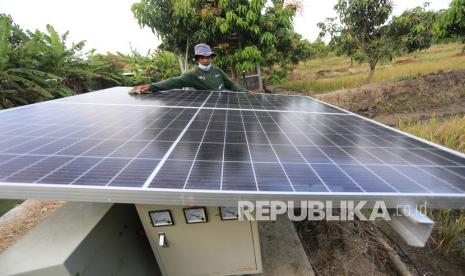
(214,148)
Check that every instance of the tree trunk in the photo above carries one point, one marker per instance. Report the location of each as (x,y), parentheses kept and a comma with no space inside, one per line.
(351,62)
(181,64)
(233,74)
(185,60)
(372,71)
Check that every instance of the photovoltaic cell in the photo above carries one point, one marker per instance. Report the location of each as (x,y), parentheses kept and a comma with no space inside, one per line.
(35,171)
(69,171)
(216,142)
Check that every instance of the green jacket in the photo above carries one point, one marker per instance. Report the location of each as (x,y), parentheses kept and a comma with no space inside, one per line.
(213,79)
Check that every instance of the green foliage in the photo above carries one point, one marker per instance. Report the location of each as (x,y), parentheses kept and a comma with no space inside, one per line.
(449,234)
(51,54)
(17,36)
(365,29)
(341,42)
(452,23)
(18,84)
(153,67)
(413,29)
(109,66)
(307,50)
(243,33)
(37,66)
(364,22)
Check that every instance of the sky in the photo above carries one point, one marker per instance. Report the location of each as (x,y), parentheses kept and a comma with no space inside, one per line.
(109,25)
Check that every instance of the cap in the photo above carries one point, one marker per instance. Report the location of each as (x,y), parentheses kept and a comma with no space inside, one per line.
(203,49)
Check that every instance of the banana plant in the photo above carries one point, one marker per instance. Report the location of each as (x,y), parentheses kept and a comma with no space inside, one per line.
(75,73)
(19,85)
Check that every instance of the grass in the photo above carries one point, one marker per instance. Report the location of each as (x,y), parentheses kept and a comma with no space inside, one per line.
(450,132)
(7,204)
(436,59)
(449,233)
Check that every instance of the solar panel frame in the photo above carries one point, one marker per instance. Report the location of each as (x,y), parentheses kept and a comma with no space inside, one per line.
(223,197)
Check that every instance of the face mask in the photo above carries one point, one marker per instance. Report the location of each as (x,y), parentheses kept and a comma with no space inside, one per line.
(205,67)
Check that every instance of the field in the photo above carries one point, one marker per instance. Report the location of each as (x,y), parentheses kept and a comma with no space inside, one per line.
(334,73)
(447,132)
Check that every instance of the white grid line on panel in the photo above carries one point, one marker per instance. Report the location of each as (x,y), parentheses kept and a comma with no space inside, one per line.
(46,156)
(224,148)
(327,156)
(198,149)
(168,153)
(457,153)
(250,153)
(408,162)
(40,160)
(212,108)
(272,148)
(302,156)
(98,144)
(414,165)
(91,148)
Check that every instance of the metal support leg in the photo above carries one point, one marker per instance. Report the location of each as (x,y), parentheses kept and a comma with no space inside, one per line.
(413,226)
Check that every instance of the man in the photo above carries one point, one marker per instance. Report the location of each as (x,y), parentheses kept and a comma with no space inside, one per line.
(205,76)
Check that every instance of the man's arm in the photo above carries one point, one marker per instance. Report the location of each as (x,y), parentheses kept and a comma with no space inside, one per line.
(172,83)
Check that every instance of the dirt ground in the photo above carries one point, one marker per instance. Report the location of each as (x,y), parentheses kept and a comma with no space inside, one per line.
(441,94)
(367,248)
(20,220)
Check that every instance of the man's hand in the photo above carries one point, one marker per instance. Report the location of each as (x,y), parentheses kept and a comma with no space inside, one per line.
(250,93)
(140,89)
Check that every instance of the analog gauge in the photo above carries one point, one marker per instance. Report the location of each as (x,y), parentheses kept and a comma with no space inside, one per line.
(195,215)
(161,218)
(229,213)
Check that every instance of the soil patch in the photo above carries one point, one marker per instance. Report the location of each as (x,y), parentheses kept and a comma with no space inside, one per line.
(20,220)
(322,74)
(440,94)
(404,61)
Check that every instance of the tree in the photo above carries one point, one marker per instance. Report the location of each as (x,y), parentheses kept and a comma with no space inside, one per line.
(17,36)
(19,80)
(245,33)
(150,68)
(365,24)
(36,66)
(109,65)
(341,42)
(413,29)
(174,22)
(74,73)
(452,23)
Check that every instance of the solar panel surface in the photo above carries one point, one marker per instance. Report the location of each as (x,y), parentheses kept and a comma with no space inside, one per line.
(207,147)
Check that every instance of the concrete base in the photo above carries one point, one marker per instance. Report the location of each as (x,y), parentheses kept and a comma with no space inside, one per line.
(282,251)
(83,239)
